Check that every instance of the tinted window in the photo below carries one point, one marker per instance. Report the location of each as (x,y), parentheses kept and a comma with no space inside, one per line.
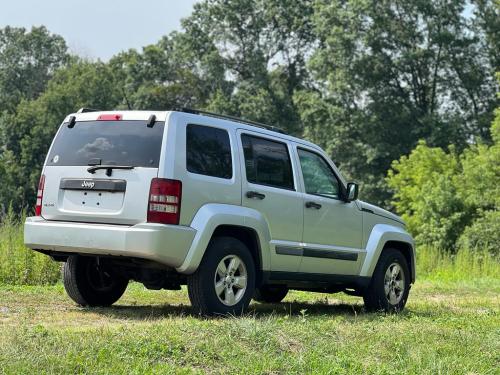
(113,142)
(319,178)
(267,162)
(208,151)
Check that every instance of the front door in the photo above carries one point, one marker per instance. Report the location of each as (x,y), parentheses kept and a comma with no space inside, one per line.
(332,227)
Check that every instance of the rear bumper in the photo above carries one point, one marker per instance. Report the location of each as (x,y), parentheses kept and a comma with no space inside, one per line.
(166,244)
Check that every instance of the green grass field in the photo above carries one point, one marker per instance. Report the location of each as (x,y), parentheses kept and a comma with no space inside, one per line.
(448,327)
(451,326)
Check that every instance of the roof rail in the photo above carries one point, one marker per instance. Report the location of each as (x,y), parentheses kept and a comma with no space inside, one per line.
(232,118)
(85,110)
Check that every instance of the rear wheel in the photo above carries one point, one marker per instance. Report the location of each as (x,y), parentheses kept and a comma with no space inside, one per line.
(224,281)
(270,293)
(90,283)
(390,284)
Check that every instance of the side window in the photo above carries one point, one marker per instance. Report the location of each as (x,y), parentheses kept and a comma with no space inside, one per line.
(208,151)
(319,178)
(267,162)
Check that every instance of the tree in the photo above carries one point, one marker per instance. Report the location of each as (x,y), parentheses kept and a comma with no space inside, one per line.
(167,75)
(487,24)
(28,133)
(262,47)
(28,60)
(390,73)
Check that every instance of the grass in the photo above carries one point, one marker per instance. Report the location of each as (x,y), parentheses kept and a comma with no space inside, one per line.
(19,265)
(451,325)
(448,327)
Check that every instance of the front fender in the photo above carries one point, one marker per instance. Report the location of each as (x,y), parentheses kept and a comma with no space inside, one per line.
(379,236)
(212,215)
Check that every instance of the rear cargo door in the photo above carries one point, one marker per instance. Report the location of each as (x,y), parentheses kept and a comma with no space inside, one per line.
(101,171)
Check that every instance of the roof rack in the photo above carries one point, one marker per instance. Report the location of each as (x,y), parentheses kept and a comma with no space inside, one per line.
(85,110)
(232,118)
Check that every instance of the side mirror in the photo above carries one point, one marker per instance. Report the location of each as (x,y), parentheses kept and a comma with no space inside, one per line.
(352,191)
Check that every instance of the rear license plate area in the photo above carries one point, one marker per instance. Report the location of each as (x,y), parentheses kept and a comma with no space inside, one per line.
(91,201)
(91,195)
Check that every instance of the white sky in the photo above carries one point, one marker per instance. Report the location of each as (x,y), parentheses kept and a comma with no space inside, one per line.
(99,29)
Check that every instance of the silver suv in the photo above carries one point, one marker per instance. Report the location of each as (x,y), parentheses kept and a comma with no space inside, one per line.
(234,209)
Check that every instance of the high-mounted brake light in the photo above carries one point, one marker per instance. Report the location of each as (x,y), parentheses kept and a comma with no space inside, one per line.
(39,196)
(108,117)
(164,202)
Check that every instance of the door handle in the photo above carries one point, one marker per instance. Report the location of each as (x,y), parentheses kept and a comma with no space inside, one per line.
(255,195)
(315,205)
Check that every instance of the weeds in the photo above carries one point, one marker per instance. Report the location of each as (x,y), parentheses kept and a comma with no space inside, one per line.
(18,264)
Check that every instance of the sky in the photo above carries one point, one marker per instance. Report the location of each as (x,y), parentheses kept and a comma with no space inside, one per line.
(99,28)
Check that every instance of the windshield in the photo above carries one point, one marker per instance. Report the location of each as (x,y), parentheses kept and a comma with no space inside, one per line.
(108,142)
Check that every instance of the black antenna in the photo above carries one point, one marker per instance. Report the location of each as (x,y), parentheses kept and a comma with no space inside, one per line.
(233,118)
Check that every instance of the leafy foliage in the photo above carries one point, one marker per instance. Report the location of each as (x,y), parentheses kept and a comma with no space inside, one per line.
(27,134)
(391,73)
(483,233)
(28,60)
(451,200)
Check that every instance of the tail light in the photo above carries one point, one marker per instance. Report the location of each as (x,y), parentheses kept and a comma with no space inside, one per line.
(164,204)
(39,196)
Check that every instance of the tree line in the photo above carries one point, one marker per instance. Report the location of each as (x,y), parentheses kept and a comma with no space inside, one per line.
(367,80)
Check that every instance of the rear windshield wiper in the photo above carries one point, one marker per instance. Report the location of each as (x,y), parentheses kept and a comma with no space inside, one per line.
(108,168)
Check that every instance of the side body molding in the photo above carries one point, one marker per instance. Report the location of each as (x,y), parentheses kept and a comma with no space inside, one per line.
(379,236)
(212,215)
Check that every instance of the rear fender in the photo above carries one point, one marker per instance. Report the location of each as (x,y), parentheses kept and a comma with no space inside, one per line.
(212,215)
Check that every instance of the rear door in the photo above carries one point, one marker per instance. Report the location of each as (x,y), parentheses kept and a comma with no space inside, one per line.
(79,187)
(269,186)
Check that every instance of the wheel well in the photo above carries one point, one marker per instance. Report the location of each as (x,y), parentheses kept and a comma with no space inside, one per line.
(406,250)
(249,237)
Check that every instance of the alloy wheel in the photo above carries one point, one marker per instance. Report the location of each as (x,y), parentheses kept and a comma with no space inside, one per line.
(230,280)
(394,283)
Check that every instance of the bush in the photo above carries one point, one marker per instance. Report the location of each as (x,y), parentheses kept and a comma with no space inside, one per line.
(484,233)
(451,200)
(426,196)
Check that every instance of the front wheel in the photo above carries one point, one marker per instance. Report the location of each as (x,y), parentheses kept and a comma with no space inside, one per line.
(224,282)
(90,283)
(390,284)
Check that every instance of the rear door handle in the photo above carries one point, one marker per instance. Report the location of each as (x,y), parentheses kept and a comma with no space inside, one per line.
(315,205)
(255,195)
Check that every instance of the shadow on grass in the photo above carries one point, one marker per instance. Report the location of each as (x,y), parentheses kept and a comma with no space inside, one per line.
(257,310)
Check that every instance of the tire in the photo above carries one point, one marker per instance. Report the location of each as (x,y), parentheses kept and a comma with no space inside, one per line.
(91,285)
(217,287)
(392,297)
(270,293)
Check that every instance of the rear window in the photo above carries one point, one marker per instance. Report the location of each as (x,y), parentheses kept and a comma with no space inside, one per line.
(108,142)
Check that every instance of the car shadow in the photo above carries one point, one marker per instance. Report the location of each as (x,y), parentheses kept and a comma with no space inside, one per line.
(256,310)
